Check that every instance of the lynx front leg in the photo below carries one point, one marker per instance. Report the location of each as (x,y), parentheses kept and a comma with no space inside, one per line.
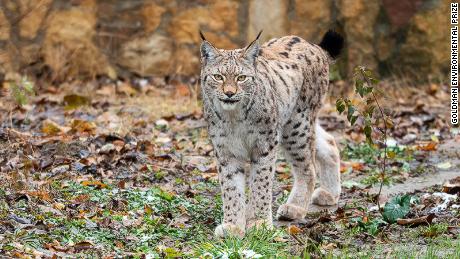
(232,182)
(259,209)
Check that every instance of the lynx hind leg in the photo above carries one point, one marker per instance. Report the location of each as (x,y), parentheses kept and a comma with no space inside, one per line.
(299,146)
(328,169)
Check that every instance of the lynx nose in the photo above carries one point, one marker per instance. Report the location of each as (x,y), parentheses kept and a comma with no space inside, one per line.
(229,94)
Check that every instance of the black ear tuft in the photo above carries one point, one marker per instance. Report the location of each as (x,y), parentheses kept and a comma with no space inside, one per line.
(258,35)
(252,50)
(202,36)
(333,43)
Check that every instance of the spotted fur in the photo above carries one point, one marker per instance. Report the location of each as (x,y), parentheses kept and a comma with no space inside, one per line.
(259,99)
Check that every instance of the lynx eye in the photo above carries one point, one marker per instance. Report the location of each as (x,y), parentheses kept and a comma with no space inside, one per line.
(218,77)
(240,78)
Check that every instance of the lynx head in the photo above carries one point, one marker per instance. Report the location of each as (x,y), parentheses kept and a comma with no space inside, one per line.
(228,76)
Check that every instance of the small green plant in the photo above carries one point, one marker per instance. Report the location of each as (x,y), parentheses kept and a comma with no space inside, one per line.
(21,91)
(365,224)
(433,230)
(397,208)
(365,83)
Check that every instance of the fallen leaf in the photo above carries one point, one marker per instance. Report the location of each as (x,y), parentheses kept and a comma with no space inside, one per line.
(42,195)
(126,89)
(58,206)
(83,126)
(294,230)
(182,90)
(107,148)
(357,166)
(454,230)
(329,246)
(106,90)
(56,246)
(431,146)
(97,184)
(60,169)
(349,184)
(73,101)
(51,210)
(444,165)
(147,209)
(452,186)
(284,176)
(425,220)
(51,128)
(211,175)
(83,245)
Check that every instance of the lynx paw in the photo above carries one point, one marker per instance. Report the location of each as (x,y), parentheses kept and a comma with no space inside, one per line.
(258,223)
(290,212)
(228,229)
(323,198)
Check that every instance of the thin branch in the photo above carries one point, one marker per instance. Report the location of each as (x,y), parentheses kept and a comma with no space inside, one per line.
(383,173)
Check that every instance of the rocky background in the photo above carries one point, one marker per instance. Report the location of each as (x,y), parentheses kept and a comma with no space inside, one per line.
(60,39)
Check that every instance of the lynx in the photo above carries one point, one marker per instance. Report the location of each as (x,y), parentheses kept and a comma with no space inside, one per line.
(259,99)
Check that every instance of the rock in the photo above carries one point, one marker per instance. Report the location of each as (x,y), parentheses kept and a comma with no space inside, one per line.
(183,52)
(423,52)
(4,26)
(400,12)
(152,13)
(36,11)
(68,47)
(317,12)
(147,55)
(359,18)
(85,38)
(220,17)
(269,15)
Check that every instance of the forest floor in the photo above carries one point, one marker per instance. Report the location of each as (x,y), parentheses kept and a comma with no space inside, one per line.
(108,170)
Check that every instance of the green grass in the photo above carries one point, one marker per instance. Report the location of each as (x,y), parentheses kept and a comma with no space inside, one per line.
(257,243)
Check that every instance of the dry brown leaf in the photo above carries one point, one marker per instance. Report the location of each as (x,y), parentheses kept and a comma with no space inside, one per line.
(329,246)
(284,176)
(59,206)
(42,195)
(83,126)
(425,220)
(357,166)
(294,230)
(83,245)
(452,186)
(97,184)
(431,146)
(211,175)
(147,209)
(127,89)
(50,127)
(73,101)
(343,168)
(56,246)
(182,90)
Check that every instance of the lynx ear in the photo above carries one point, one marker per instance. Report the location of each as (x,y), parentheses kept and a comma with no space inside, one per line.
(208,51)
(252,50)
